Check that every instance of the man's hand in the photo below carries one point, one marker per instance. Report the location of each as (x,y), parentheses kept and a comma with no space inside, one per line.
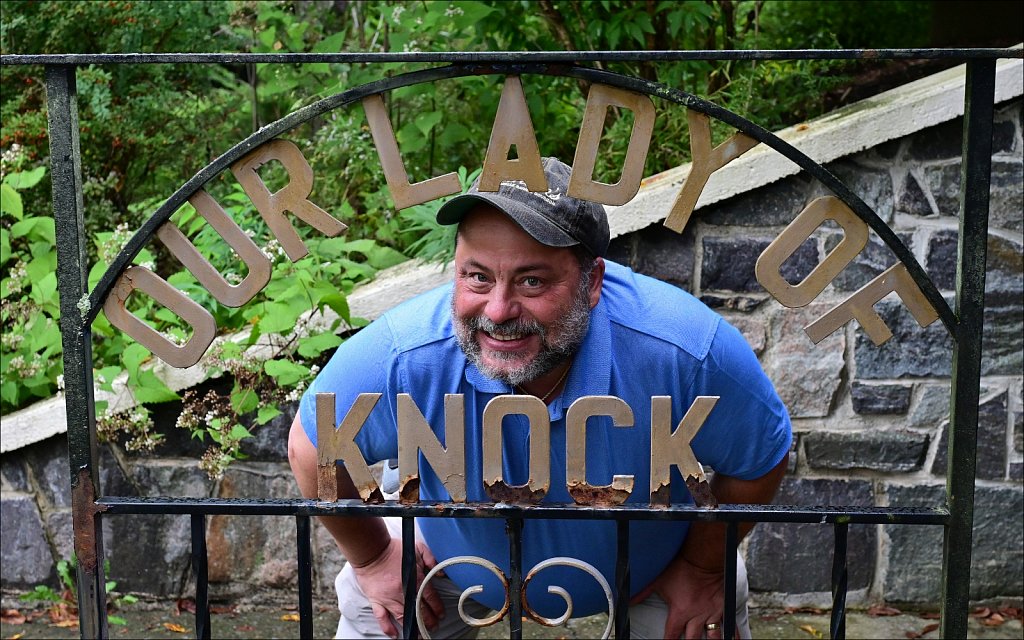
(695,597)
(381,581)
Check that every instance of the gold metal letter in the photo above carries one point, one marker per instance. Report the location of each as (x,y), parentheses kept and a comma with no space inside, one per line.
(768,263)
(673,448)
(539,481)
(415,435)
(182,248)
(581,491)
(581,183)
(335,444)
(705,162)
(292,197)
(512,126)
(204,327)
(860,306)
(403,193)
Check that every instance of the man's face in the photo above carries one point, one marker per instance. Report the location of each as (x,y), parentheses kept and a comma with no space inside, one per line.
(519,307)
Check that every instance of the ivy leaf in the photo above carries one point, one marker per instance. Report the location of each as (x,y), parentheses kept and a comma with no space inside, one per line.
(266,414)
(45,289)
(9,392)
(426,121)
(279,317)
(339,304)
(34,228)
(133,356)
(105,377)
(5,246)
(238,432)
(25,179)
(313,346)
(150,389)
(285,372)
(244,400)
(10,201)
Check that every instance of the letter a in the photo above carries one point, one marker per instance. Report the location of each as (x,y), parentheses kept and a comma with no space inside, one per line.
(512,126)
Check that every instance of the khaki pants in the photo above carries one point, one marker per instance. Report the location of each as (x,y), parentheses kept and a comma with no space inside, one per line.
(646,619)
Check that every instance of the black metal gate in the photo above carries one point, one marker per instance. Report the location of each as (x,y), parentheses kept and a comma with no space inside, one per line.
(79,307)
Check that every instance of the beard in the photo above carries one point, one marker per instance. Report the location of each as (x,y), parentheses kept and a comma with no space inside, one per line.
(559,341)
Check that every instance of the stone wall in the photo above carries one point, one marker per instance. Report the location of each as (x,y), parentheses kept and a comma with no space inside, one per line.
(870,421)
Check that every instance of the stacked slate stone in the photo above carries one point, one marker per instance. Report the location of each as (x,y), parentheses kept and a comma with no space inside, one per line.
(871,422)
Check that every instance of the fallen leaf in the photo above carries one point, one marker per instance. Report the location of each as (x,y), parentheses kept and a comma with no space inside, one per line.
(912,635)
(12,616)
(18,636)
(928,628)
(931,615)
(812,610)
(981,612)
(811,630)
(1010,612)
(880,610)
(221,609)
(994,620)
(184,604)
(290,617)
(65,624)
(176,628)
(245,628)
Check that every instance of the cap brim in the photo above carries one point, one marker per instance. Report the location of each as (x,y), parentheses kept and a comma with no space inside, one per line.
(540,228)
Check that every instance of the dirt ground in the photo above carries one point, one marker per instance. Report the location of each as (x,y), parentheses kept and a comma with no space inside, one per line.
(989,624)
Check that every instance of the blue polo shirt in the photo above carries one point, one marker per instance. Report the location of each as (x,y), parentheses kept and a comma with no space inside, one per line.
(646,338)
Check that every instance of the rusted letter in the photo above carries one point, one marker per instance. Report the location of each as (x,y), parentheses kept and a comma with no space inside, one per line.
(540,449)
(335,444)
(705,162)
(582,184)
(415,435)
(402,193)
(860,307)
(673,448)
(512,126)
(292,197)
(583,492)
(855,238)
(182,248)
(204,327)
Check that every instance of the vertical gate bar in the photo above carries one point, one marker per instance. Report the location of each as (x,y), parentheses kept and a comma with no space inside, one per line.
(729,617)
(837,629)
(200,569)
(975,176)
(305,552)
(514,528)
(76,338)
(409,629)
(622,580)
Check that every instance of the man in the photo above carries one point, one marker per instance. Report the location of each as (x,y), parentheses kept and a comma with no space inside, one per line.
(535,309)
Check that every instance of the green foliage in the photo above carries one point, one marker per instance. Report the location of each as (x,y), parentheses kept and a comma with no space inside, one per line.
(146,129)
(64,603)
(30,360)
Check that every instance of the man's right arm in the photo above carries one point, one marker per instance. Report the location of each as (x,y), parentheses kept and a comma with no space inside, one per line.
(361,540)
(364,541)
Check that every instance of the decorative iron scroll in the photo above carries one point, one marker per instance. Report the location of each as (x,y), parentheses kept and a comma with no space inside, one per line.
(586,567)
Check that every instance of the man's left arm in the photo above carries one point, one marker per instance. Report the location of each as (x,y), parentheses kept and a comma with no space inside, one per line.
(693,583)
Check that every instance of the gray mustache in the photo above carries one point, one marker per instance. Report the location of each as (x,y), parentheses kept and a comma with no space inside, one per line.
(483,323)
